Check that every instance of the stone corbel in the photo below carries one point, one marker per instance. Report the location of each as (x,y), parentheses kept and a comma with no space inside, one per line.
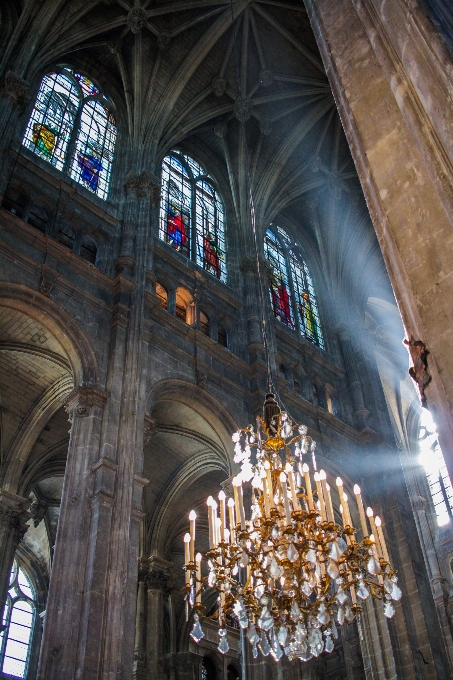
(82,400)
(419,369)
(16,88)
(143,185)
(14,515)
(47,280)
(159,575)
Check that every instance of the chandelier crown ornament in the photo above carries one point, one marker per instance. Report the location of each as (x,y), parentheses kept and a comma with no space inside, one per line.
(286,570)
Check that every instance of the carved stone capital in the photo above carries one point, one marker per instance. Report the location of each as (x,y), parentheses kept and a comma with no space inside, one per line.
(38,509)
(82,400)
(149,429)
(159,575)
(14,516)
(47,280)
(136,19)
(16,88)
(143,185)
(248,264)
(419,369)
(201,379)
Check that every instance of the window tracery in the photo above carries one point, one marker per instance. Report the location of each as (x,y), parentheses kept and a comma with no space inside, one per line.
(291,286)
(72,127)
(18,619)
(432,459)
(192,214)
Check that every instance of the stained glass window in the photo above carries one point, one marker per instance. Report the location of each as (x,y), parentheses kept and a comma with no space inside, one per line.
(72,129)
(292,285)
(432,459)
(192,214)
(307,308)
(279,286)
(18,619)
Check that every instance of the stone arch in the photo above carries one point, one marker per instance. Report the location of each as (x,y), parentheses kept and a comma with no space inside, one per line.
(59,323)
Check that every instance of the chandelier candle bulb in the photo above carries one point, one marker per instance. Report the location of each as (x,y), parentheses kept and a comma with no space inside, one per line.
(239,501)
(198,586)
(222,498)
(370,515)
(267,507)
(192,518)
(218,533)
(346,506)
(231,518)
(267,467)
(322,506)
(362,516)
(344,513)
(187,555)
(285,498)
(292,486)
(330,512)
(306,471)
(380,533)
(210,522)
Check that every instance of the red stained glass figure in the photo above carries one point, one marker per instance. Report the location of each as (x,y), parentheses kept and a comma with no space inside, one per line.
(211,254)
(176,228)
(280,301)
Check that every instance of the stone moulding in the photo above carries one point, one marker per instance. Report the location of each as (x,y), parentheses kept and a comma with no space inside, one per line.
(82,400)
(16,87)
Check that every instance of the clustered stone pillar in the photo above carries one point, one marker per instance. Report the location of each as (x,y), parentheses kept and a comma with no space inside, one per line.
(13,90)
(13,525)
(361,413)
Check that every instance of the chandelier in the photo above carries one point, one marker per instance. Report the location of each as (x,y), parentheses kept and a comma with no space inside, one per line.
(290,573)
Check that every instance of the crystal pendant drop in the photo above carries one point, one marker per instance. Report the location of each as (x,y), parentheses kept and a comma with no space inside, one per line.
(306,589)
(335,551)
(373,566)
(241,613)
(362,591)
(292,553)
(275,533)
(265,622)
(311,556)
(274,569)
(306,655)
(276,651)
(244,559)
(349,614)
(300,633)
(389,609)
(334,628)
(211,579)
(264,645)
(295,612)
(286,430)
(323,614)
(329,644)
(318,649)
(223,643)
(396,593)
(255,651)
(341,596)
(314,638)
(340,615)
(253,635)
(332,569)
(282,635)
(259,591)
(196,633)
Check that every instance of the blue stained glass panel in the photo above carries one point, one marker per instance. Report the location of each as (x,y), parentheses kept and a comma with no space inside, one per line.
(210,230)
(307,307)
(176,205)
(93,154)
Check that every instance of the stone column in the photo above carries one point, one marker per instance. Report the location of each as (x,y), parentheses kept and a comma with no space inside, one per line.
(13,525)
(139,672)
(13,103)
(157,580)
(77,542)
(361,413)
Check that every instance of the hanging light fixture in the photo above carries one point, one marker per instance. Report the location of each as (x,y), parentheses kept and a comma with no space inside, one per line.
(286,570)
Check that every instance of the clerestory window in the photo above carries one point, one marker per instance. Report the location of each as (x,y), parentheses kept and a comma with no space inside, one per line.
(18,620)
(291,288)
(73,128)
(432,459)
(192,214)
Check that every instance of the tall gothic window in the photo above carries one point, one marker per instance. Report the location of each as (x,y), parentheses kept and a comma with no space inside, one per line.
(18,619)
(432,459)
(291,288)
(192,214)
(72,127)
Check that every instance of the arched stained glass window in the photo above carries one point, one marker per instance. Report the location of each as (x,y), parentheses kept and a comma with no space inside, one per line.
(73,128)
(291,288)
(279,285)
(432,459)
(306,306)
(192,214)
(18,619)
